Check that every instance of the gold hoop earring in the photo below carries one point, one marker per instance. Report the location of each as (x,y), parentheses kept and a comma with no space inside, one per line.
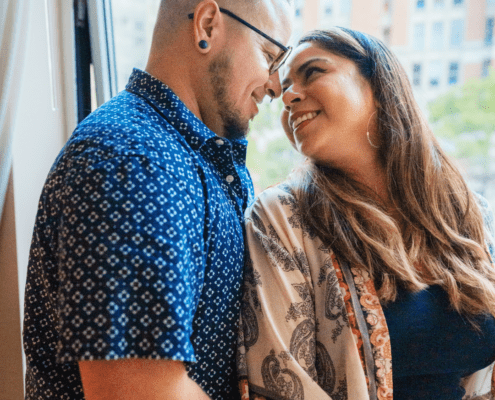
(368,132)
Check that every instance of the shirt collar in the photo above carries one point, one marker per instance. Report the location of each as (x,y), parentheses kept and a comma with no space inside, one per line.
(177,114)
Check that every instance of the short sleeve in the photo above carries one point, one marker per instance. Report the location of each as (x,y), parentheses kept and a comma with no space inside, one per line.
(131,254)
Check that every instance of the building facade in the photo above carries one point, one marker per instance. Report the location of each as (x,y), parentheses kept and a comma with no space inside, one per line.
(440,43)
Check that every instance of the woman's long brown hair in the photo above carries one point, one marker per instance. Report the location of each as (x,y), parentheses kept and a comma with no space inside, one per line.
(440,237)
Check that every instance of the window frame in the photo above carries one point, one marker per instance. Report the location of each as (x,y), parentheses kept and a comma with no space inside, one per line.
(102,49)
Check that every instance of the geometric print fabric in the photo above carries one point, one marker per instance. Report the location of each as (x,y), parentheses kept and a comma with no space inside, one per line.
(138,246)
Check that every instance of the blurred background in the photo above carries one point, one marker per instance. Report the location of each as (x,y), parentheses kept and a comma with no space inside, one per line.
(445,46)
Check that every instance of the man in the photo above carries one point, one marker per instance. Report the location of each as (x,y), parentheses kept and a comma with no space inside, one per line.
(136,261)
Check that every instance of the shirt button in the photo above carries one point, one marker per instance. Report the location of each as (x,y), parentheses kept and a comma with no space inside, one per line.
(220,142)
(229,179)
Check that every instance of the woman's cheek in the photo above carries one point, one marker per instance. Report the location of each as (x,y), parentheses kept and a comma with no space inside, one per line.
(284,118)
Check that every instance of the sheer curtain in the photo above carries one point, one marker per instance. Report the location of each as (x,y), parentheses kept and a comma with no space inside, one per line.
(13,26)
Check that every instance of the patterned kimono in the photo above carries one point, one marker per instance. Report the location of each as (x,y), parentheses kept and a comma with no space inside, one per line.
(313,328)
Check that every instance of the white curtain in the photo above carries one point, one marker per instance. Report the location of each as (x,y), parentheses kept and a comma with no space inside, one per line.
(13,27)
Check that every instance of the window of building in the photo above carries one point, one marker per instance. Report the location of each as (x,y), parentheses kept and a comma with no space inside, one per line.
(435,73)
(458,2)
(416,75)
(489,32)
(328,7)
(419,37)
(437,36)
(457,33)
(345,7)
(485,70)
(453,73)
(299,5)
(420,4)
(386,36)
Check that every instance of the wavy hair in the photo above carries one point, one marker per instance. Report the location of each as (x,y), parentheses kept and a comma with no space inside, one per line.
(440,237)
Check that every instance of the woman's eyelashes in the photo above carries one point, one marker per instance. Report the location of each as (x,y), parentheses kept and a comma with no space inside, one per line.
(307,74)
(310,71)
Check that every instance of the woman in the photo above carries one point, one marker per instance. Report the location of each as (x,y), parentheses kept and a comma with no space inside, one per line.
(370,274)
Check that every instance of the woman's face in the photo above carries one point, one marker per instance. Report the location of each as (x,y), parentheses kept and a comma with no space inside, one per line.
(328,105)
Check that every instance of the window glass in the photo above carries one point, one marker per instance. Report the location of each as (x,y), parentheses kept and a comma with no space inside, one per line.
(417,74)
(419,36)
(453,73)
(437,36)
(458,2)
(435,73)
(489,31)
(457,33)
(486,67)
(420,4)
(133,22)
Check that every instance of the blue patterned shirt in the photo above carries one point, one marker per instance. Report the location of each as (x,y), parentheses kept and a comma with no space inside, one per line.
(138,246)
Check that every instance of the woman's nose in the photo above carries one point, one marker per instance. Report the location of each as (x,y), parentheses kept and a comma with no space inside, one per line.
(290,97)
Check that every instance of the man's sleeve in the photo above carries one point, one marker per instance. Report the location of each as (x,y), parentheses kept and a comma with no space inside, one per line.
(131,252)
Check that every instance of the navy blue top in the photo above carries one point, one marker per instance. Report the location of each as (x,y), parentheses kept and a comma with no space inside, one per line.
(138,246)
(433,347)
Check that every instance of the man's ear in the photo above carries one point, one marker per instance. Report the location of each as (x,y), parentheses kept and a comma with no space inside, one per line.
(208,22)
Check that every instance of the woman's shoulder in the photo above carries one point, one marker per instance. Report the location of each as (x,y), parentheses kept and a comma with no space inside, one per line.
(279,199)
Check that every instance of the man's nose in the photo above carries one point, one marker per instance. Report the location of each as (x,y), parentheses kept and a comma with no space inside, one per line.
(273,87)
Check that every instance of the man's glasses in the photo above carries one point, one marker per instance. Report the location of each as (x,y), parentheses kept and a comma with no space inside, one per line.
(278,62)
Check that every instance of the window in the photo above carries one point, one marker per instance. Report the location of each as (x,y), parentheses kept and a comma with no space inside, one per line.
(345,7)
(420,4)
(458,2)
(386,36)
(437,36)
(457,33)
(299,5)
(486,68)
(435,73)
(419,37)
(453,73)
(489,31)
(417,75)
(328,7)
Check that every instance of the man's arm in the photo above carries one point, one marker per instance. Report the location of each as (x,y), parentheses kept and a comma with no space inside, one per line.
(138,379)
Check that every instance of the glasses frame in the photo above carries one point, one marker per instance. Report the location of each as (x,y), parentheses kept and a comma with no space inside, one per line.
(281,58)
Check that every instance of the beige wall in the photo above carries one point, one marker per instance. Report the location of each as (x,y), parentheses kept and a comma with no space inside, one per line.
(475,20)
(11,375)
(400,25)
(310,15)
(472,71)
(366,16)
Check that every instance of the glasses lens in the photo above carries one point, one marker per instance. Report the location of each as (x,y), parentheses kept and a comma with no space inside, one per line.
(279,61)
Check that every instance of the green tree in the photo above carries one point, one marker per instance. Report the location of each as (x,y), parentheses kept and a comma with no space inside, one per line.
(465,117)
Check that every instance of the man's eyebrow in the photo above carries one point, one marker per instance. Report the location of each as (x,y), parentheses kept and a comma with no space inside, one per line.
(302,67)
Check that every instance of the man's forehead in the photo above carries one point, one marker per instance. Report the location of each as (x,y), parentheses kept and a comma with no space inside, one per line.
(275,16)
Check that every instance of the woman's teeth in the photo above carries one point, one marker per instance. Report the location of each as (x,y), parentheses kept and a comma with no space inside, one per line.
(303,118)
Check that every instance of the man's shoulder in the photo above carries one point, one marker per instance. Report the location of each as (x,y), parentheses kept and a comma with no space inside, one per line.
(127,126)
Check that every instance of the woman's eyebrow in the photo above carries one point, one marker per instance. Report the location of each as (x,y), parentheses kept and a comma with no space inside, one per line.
(302,67)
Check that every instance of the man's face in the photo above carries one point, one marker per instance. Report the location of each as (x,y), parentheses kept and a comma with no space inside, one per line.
(239,75)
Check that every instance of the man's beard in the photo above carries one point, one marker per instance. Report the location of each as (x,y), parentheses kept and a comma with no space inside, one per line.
(233,124)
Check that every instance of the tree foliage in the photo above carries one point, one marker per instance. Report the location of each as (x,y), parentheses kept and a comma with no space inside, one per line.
(466,117)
